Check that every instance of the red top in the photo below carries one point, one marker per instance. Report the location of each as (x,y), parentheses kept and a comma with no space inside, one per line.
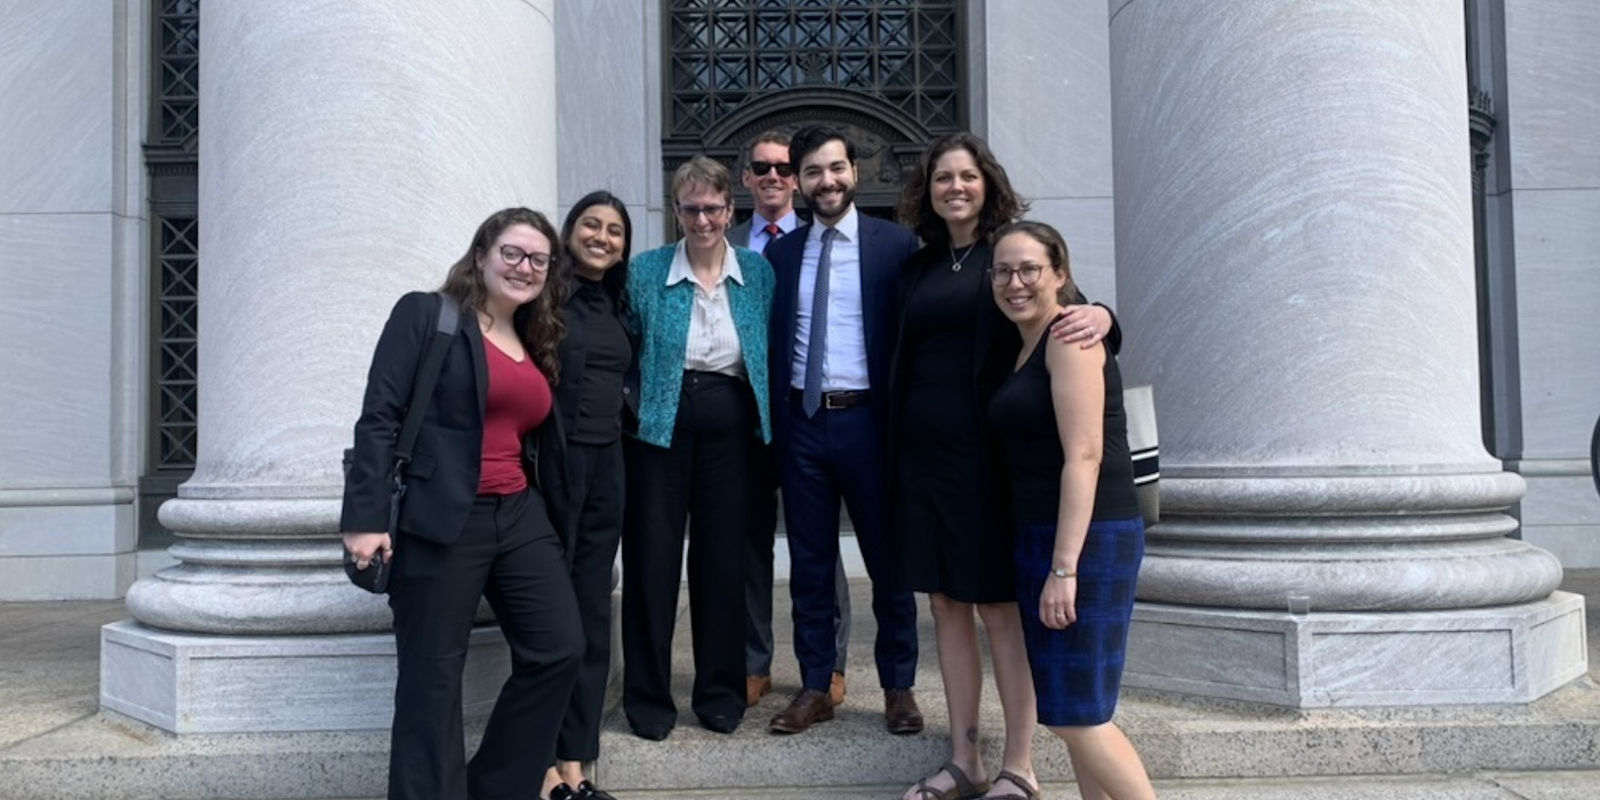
(519,400)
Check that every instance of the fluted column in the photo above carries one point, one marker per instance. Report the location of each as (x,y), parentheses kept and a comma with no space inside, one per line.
(348,151)
(1295,273)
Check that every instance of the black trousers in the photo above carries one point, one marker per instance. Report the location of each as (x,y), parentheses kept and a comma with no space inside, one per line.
(510,555)
(598,497)
(704,478)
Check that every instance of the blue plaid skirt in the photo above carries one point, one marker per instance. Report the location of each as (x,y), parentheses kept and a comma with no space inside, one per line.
(1078,671)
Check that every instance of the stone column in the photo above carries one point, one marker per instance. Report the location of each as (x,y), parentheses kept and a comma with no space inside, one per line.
(72,298)
(1294,237)
(348,152)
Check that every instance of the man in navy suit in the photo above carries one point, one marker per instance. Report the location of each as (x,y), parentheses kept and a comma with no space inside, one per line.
(834,318)
(769,176)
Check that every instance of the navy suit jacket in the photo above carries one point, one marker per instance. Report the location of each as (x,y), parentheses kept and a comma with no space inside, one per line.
(442,480)
(884,246)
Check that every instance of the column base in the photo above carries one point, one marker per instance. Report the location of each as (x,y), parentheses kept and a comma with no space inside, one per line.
(197,683)
(1504,654)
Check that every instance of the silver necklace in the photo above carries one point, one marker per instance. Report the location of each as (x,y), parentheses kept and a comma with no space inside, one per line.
(956,267)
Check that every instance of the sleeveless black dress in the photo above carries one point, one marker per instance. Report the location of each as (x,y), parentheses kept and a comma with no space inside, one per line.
(947,537)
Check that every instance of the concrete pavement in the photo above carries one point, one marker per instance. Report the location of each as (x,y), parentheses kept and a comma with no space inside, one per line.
(54,742)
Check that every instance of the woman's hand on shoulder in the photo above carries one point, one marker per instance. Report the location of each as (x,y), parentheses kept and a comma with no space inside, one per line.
(1085,324)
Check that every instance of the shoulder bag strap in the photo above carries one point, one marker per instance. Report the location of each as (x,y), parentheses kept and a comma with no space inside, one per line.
(427,379)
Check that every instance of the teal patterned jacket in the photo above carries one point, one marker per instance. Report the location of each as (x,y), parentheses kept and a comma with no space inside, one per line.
(659,316)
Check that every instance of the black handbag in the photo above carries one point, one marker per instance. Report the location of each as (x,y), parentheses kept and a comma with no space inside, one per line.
(375,578)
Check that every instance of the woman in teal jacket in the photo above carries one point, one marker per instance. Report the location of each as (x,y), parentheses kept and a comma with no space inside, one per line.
(699,309)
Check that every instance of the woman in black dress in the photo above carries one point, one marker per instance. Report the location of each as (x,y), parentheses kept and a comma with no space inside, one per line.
(953,535)
(595,359)
(1080,536)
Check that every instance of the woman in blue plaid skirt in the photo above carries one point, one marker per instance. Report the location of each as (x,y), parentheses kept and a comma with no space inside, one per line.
(1080,536)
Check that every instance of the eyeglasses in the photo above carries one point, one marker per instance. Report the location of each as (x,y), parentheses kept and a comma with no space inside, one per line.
(692,212)
(1029,273)
(784,168)
(513,255)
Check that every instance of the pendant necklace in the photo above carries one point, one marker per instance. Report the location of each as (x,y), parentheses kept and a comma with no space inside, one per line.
(956,267)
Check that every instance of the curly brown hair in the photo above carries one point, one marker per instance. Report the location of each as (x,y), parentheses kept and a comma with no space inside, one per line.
(539,324)
(1001,203)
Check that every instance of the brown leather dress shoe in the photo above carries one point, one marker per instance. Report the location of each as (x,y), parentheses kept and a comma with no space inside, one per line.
(806,709)
(836,689)
(755,686)
(900,712)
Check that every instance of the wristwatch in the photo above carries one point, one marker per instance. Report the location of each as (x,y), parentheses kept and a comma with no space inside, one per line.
(1061,573)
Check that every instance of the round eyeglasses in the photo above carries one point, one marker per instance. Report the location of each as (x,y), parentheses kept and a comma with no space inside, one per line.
(513,255)
(1029,273)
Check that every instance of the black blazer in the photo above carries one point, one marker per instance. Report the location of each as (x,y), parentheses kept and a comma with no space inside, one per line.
(884,245)
(442,481)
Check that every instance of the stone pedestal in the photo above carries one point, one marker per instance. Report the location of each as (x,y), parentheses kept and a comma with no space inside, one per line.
(1294,237)
(1514,654)
(190,683)
(347,156)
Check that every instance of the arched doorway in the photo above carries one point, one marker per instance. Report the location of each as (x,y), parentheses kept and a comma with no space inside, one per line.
(889,74)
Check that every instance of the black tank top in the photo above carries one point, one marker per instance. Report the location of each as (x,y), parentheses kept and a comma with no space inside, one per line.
(1022,413)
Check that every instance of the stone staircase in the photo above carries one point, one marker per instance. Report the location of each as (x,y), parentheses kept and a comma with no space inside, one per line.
(55,743)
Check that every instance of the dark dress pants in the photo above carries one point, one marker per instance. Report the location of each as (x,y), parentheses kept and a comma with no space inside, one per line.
(759,579)
(509,554)
(834,455)
(598,498)
(705,479)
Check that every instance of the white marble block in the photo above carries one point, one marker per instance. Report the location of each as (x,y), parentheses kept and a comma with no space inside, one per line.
(198,683)
(1506,654)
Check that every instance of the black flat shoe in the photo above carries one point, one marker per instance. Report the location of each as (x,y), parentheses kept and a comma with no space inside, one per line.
(720,723)
(654,733)
(587,791)
(561,792)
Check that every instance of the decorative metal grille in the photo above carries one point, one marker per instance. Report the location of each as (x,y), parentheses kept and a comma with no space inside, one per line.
(172,154)
(172,157)
(725,55)
(177,309)
(177,32)
(889,73)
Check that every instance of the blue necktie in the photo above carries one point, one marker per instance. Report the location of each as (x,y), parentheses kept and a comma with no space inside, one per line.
(817,345)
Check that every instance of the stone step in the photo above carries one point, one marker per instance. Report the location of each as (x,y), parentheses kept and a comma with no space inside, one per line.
(1178,737)
(54,743)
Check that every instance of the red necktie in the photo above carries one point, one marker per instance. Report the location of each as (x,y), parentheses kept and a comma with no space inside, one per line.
(773,230)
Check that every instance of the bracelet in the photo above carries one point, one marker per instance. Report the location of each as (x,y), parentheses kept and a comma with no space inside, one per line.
(1061,573)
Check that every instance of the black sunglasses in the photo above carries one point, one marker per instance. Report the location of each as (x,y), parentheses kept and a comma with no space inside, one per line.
(784,168)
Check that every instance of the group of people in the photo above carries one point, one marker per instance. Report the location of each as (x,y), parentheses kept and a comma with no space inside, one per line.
(944,381)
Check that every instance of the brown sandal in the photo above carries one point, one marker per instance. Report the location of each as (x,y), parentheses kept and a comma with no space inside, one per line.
(964,789)
(1029,791)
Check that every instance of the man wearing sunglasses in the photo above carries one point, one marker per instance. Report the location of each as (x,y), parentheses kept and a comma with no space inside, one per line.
(770,178)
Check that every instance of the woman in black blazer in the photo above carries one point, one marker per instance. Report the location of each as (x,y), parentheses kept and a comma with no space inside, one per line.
(595,393)
(481,518)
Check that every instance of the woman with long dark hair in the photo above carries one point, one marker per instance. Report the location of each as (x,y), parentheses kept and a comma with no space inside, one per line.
(479,520)
(951,526)
(594,396)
